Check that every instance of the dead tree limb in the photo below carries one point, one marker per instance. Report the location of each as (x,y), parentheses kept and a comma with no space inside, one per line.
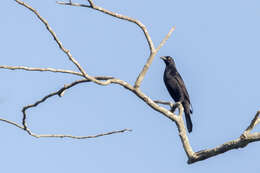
(246,137)
(153,50)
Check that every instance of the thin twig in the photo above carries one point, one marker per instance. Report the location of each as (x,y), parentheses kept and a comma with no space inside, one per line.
(149,61)
(80,137)
(119,16)
(60,93)
(40,69)
(253,123)
(11,122)
(61,135)
(165,39)
(66,51)
(164,102)
(91,3)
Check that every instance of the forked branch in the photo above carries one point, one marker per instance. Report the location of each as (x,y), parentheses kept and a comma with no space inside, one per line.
(193,157)
(240,142)
(59,93)
(153,50)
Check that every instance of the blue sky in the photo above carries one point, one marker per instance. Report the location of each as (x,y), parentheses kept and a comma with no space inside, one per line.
(216,49)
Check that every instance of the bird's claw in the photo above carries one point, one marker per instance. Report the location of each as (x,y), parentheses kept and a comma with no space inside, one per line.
(175,106)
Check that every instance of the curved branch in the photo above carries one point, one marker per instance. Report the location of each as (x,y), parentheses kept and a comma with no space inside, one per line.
(60,93)
(116,15)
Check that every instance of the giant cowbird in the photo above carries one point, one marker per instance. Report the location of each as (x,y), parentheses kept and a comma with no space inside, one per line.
(176,88)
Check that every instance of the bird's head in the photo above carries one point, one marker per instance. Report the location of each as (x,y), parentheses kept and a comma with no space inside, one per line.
(168,60)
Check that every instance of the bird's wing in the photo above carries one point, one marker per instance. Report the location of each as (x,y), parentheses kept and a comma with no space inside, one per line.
(180,82)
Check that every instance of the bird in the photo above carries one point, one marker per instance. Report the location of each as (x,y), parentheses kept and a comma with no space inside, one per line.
(176,88)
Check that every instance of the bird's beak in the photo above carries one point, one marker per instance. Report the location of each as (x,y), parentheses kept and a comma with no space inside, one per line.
(163,58)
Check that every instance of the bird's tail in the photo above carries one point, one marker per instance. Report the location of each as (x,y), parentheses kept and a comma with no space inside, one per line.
(187,112)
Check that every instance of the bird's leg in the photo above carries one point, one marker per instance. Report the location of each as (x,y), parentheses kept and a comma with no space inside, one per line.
(174,106)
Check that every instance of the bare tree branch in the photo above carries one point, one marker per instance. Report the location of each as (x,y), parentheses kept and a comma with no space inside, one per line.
(39,69)
(164,102)
(11,122)
(165,39)
(153,51)
(66,51)
(240,142)
(116,15)
(234,144)
(91,3)
(253,123)
(81,137)
(140,77)
(60,93)
(63,136)
(193,157)
(98,81)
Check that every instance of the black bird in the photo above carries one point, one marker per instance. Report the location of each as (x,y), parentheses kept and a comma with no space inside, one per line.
(176,88)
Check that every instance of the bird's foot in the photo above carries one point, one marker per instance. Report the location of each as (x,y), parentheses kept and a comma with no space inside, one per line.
(175,106)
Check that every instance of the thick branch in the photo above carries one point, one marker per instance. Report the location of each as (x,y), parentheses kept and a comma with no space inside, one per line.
(240,142)
(193,157)
(182,132)
(234,144)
